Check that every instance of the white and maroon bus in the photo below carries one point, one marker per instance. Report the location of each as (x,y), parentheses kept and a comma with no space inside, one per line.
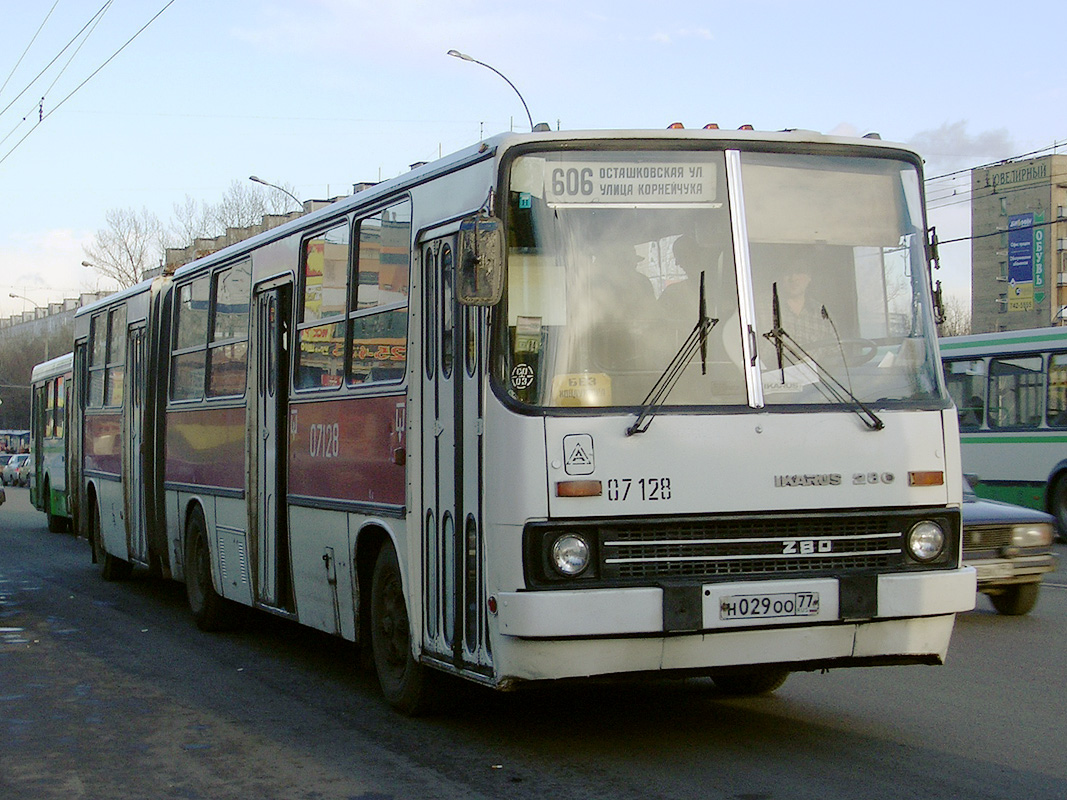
(558,405)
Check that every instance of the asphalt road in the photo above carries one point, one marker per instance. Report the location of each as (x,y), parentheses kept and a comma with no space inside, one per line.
(109,691)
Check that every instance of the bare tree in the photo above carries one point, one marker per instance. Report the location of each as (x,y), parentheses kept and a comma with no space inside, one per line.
(132,243)
(195,219)
(957,318)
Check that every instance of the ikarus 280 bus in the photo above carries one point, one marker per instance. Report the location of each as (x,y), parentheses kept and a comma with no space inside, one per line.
(562,404)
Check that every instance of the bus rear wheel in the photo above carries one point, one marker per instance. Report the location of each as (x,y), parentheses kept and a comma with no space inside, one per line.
(404,681)
(211,611)
(56,523)
(112,568)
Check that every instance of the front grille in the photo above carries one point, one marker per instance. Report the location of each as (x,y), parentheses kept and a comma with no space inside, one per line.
(992,538)
(714,549)
(647,551)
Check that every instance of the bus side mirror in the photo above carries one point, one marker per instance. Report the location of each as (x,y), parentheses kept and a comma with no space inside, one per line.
(480,270)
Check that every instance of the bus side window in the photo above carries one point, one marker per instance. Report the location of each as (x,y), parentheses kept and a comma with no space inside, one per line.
(97,360)
(1016,388)
(188,364)
(966,381)
(321,334)
(378,304)
(228,349)
(116,357)
(1057,390)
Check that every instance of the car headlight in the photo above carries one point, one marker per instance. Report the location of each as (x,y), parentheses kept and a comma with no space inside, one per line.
(570,555)
(1036,535)
(926,541)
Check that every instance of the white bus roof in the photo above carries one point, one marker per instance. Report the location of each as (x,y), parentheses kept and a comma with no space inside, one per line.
(55,366)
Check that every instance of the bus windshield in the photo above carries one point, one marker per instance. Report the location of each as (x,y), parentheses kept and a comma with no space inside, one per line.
(607,253)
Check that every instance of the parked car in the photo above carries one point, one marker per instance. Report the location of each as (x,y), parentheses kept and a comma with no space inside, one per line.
(10,472)
(1010,547)
(24,471)
(3,495)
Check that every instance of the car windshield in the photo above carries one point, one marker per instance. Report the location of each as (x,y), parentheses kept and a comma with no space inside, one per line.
(608,254)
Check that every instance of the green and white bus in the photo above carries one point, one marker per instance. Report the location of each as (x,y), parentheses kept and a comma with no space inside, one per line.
(1010,390)
(49,439)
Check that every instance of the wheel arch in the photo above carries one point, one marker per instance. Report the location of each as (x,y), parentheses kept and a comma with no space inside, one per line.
(370,538)
(1056,473)
(193,506)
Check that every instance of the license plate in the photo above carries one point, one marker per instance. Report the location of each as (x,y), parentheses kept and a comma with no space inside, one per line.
(769,606)
(994,571)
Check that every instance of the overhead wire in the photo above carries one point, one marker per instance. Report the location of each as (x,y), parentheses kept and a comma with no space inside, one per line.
(56,57)
(1055,145)
(96,21)
(28,46)
(56,107)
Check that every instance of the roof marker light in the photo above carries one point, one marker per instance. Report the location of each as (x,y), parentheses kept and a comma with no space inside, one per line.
(711,126)
(676,126)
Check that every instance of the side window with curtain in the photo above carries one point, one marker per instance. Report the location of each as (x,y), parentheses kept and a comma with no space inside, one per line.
(378,315)
(321,333)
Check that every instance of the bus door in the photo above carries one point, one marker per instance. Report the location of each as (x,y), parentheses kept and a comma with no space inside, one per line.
(453,588)
(133,447)
(269,387)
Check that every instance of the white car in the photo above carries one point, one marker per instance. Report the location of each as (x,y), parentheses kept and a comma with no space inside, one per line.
(10,475)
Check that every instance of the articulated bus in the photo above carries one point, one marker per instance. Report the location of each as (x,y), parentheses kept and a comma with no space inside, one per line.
(559,405)
(50,403)
(1011,391)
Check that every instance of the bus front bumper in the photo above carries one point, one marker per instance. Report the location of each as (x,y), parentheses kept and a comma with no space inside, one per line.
(560,634)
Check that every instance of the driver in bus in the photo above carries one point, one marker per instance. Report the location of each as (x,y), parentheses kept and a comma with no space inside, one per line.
(801,317)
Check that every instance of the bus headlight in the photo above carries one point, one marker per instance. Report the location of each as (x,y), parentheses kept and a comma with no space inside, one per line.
(570,555)
(926,541)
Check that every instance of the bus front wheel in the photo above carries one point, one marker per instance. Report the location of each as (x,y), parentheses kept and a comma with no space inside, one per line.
(751,682)
(403,679)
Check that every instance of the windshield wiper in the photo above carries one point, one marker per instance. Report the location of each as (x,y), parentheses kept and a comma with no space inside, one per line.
(829,386)
(697,339)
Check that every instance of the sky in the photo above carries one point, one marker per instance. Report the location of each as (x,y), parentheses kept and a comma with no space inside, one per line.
(320,94)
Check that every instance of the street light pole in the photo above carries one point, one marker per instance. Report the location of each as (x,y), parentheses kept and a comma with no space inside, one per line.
(465,57)
(296,199)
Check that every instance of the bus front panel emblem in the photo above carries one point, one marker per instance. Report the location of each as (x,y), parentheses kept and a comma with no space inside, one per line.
(578,454)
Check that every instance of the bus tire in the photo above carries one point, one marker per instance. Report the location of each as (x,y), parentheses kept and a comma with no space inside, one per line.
(1016,600)
(403,679)
(55,523)
(751,682)
(111,567)
(211,611)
